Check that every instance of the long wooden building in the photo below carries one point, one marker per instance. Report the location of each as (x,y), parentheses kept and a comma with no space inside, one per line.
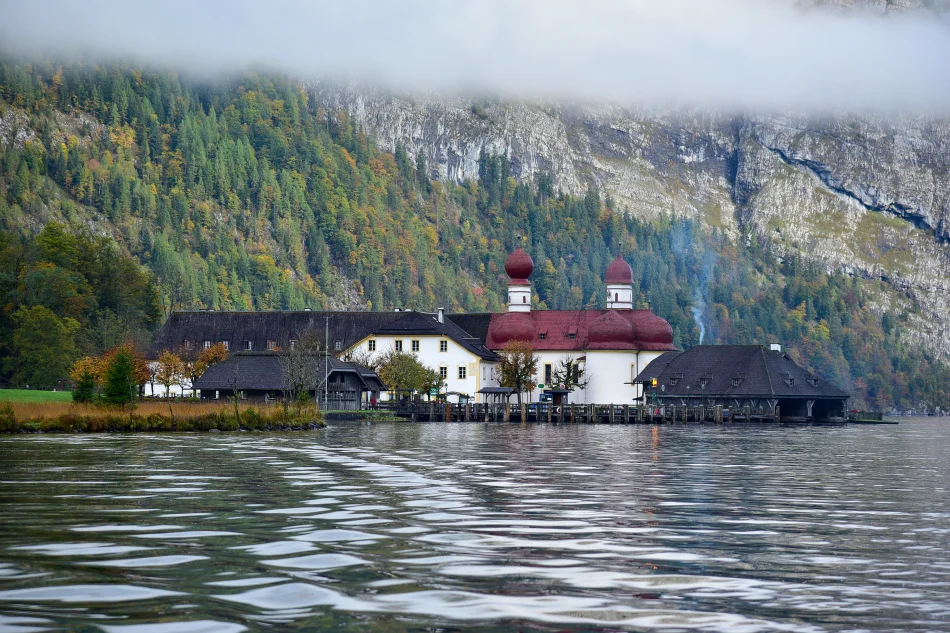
(765,382)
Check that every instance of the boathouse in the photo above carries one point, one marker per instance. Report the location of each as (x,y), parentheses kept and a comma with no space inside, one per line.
(748,380)
(261,377)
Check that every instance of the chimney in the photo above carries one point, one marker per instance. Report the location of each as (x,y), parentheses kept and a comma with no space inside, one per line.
(441,315)
(397,310)
(775,347)
(306,309)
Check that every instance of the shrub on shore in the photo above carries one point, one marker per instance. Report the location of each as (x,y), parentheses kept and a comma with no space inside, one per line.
(156,417)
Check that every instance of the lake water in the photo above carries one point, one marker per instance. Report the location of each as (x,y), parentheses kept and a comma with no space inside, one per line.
(399,527)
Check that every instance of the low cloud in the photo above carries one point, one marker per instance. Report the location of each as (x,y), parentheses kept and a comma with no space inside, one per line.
(718,54)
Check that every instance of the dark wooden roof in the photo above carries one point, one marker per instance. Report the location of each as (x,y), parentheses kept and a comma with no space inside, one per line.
(262,371)
(734,371)
(259,327)
(345,329)
(476,324)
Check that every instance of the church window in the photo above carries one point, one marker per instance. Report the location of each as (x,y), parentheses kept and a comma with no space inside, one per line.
(547,373)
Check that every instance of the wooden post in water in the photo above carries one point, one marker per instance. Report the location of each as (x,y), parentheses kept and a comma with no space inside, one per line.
(524,412)
(507,412)
(550,411)
(431,410)
(778,413)
(747,410)
(626,414)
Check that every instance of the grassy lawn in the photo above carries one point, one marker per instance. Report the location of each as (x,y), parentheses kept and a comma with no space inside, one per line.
(32,395)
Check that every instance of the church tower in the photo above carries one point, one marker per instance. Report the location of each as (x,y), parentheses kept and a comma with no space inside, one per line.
(619,285)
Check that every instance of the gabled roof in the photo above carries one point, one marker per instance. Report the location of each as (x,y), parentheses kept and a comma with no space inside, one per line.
(738,371)
(422,323)
(262,371)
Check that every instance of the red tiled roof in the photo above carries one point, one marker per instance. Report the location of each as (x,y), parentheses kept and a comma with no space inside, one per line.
(651,332)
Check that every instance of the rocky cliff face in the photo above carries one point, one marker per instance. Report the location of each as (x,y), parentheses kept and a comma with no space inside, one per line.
(870,196)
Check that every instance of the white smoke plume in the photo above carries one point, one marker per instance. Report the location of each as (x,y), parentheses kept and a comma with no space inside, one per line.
(717,54)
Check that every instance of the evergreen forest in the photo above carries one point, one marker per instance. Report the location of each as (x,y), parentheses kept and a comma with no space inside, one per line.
(127,193)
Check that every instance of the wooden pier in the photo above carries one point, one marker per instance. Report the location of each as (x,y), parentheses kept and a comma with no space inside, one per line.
(581,414)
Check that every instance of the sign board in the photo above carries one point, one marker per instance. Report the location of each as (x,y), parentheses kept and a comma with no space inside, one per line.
(433,392)
(540,385)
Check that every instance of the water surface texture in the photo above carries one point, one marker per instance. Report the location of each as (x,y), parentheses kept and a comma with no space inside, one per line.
(400,527)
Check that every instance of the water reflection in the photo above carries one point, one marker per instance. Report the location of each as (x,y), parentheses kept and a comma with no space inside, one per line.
(477,526)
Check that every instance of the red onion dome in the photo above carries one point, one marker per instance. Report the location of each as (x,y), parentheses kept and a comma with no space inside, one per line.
(510,326)
(619,272)
(519,266)
(611,331)
(654,331)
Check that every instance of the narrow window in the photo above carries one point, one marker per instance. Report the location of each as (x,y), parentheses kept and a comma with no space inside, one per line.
(415,345)
(524,299)
(371,346)
(443,371)
(271,345)
(206,345)
(338,345)
(398,346)
(293,343)
(248,346)
(547,373)
(616,296)
(443,346)
(227,345)
(463,374)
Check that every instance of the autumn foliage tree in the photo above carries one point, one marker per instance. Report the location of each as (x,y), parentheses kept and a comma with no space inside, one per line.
(170,371)
(518,366)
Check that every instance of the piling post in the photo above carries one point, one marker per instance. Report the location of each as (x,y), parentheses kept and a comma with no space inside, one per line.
(626,414)
(550,411)
(524,412)
(778,413)
(747,410)
(431,412)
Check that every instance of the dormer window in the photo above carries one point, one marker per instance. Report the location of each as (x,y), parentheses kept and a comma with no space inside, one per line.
(338,346)
(248,346)
(737,379)
(206,345)
(675,378)
(271,345)
(571,336)
(542,336)
(293,344)
(813,382)
(787,379)
(703,381)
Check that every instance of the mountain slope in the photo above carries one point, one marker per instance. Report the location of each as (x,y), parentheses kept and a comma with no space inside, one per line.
(870,197)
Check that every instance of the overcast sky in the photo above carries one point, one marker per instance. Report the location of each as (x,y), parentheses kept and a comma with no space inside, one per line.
(723,54)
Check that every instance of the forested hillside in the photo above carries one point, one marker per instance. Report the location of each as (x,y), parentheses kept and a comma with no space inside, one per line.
(243,194)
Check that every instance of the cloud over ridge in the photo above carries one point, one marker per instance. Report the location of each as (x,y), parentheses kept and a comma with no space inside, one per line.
(719,54)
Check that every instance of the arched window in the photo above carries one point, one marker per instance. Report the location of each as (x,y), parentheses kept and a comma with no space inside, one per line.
(524,299)
(616,296)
